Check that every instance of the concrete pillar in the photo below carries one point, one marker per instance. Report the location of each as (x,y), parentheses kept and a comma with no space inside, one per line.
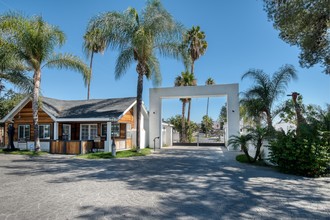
(232,114)
(155,120)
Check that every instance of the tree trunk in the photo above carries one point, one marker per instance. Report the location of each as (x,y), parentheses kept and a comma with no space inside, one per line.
(258,151)
(183,124)
(90,76)
(189,106)
(269,120)
(246,152)
(35,108)
(207,107)
(192,67)
(139,104)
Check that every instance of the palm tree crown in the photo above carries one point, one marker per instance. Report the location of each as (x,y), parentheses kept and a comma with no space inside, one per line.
(139,38)
(196,43)
(93,43)
(32,42)
(260,98)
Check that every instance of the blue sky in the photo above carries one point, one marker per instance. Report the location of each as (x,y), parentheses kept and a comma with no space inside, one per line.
(238,33)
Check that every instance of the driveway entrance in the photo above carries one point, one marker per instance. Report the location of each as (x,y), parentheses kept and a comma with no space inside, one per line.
(173,183)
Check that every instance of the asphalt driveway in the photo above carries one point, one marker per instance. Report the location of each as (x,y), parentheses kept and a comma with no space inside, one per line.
(176,183)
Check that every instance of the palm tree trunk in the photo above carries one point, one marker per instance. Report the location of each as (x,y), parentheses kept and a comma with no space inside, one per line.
(189,106)
(138,109)
(207,107)
(192,67)
(35,108)
(269,120)
(183,124)
(90,76)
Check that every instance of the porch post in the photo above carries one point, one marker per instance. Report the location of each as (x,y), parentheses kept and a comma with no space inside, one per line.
(55,130)
(108,142)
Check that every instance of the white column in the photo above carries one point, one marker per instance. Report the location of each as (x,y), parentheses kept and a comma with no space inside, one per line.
(55,130)
(155,125)
(108,142)
(232,114)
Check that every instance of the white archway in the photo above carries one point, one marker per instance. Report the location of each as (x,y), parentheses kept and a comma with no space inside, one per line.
(157,94)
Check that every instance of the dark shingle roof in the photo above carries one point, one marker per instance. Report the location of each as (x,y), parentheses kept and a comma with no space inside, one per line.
(94,108)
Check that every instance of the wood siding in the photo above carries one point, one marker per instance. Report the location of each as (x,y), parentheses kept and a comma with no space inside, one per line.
(24,117)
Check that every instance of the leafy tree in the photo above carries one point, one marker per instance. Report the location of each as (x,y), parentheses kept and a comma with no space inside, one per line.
(208,82)
(304,23)
(93,43)
(8,101)
(176,121)
(186,79)
(32,42)
(138,38)
(206,124)
(261,97)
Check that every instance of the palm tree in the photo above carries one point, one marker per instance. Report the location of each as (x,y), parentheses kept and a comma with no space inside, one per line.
(138,38)
(93,43)
(33,41)
(195,43)
(186,79)
(260,98)
(241,141)
(208,82)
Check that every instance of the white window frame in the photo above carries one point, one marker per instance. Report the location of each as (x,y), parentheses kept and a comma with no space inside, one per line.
(89,131)
(24,126)
(69,126)
(43,127)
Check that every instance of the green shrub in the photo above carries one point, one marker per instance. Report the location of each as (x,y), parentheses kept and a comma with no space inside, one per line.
(305,154)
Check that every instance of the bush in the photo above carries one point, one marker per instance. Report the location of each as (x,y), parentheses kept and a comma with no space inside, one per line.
(305,154)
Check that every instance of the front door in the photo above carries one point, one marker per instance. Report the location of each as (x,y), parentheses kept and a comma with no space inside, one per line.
(66,132)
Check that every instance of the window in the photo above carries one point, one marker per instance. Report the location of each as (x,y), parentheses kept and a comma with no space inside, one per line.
(66,132)
(115,130)
(24,132)
(88,132)
(44,131)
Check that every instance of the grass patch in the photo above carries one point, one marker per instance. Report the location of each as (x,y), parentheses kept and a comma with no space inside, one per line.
(23,152)
(120,154)
(243,159)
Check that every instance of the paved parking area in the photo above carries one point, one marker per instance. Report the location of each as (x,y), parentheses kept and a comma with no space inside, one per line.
(176,183)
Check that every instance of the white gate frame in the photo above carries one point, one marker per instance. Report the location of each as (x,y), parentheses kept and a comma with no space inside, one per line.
(231,91)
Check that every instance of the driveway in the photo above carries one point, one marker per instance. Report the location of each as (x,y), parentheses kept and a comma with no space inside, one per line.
(175,183)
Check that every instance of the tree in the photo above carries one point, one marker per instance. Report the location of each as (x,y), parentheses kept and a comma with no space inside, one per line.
(206,124)
(8,101)
(176,121)
(32,42)
(138,38)
(93,43)
(186,79)
(258,134)
(261,97)
(304,23)
(241,141)
(195,44)
(208,82)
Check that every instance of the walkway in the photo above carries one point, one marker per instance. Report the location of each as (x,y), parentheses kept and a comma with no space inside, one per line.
(176,183)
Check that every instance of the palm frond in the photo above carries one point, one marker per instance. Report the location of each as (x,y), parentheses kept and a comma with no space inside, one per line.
(123,62)
(154,67)
(69,61)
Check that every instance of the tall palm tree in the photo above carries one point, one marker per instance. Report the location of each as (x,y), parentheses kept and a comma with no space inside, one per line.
(261,97)
(33,41)
(93,43)
(185,79)
(208,82)
(138,38)
(195,43)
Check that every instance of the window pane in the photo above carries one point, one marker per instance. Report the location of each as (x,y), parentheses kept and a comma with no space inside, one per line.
(115,130)
(104,130)
(27,132)
(41,131)
(84,132)
(93,131)
(20,131)
(47,131)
